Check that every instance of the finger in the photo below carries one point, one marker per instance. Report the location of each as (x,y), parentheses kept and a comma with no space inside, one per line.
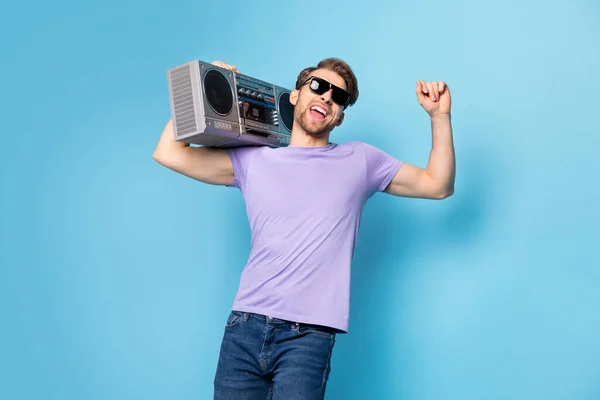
(442,86)
(226,66)
(424,87)
(421,90)
(431,90)
(436,88)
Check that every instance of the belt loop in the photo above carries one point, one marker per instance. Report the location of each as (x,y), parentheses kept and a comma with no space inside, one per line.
(245,317)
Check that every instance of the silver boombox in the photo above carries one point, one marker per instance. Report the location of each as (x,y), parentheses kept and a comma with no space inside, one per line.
(216,107)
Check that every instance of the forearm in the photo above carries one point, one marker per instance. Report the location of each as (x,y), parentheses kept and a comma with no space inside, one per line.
(167,145)
(441,166)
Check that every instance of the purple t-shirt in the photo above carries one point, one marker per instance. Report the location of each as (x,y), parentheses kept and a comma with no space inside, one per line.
(304,206)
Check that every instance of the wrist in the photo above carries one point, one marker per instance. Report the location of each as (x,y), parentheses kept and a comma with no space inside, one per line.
(440,116)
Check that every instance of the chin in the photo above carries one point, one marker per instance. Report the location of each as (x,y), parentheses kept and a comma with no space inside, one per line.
(317,132)
(315,129)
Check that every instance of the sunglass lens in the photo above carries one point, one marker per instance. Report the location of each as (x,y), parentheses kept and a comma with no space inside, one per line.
(318,86)
(339,96)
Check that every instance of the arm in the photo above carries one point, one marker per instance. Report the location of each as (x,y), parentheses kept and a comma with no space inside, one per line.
(206,164)
(437,180)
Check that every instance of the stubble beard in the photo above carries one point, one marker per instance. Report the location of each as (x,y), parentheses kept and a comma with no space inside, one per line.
(309,126)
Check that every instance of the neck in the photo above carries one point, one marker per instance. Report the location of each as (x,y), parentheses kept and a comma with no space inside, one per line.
(302,139)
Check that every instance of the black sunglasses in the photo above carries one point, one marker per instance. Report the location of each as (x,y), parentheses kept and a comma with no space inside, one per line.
(320,86)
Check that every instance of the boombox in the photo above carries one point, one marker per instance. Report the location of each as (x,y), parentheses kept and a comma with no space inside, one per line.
(216,107)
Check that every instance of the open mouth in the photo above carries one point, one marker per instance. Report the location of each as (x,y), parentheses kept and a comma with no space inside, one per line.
(318,113)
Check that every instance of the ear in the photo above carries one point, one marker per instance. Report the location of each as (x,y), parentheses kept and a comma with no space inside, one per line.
(340,120)
(294,97)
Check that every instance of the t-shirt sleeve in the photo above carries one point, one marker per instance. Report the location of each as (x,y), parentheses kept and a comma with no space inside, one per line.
(241,159)
(381,168)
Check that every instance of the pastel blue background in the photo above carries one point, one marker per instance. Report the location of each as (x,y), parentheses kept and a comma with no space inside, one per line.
(117,274)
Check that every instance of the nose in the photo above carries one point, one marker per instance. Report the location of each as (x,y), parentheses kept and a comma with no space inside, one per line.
(326,97)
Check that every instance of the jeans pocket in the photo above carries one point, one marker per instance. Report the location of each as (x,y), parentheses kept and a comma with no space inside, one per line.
(233,318)
(323,331)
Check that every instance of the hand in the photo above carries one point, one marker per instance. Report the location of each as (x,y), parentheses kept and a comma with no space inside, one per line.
(226,66)
(434,97)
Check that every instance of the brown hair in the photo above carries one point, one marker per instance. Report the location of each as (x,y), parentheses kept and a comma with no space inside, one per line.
(338,66)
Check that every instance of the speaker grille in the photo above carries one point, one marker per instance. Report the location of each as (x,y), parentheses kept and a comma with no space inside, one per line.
(286,109)
(183,100)
(218,92)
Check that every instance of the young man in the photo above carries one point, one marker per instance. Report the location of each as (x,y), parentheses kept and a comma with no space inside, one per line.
(304,204)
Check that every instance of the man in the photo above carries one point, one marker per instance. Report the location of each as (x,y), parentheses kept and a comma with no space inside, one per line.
(304,204)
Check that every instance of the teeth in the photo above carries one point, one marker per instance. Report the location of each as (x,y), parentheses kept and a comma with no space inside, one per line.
(319,109)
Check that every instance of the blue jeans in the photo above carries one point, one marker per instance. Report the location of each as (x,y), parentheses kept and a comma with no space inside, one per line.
(266,358)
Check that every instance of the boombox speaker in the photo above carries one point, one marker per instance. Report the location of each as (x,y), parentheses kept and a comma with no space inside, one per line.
(216,107)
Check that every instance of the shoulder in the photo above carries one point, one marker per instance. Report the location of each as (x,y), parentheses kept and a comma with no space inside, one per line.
(246,149)
(374,157)
(353,146)
(356,144)
(246,152)
(366,149)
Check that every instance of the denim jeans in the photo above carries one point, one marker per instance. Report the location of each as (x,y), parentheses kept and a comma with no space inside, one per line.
(266,358)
